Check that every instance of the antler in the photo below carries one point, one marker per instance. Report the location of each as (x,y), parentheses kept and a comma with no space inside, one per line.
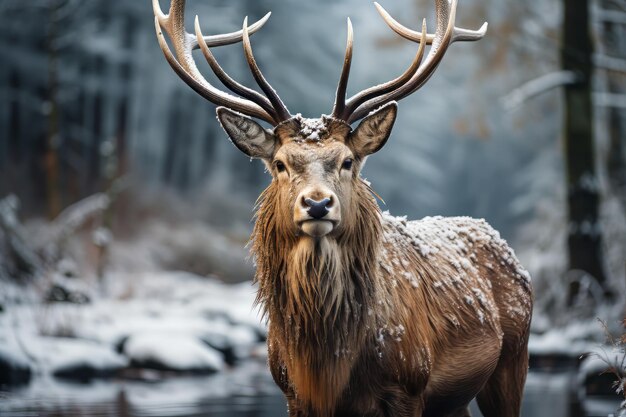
(359,105)
(270,108)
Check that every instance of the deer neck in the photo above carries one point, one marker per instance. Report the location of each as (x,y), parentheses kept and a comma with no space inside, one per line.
(321,298)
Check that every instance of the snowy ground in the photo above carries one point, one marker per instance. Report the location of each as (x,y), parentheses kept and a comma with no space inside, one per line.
(175,343)
(169,321)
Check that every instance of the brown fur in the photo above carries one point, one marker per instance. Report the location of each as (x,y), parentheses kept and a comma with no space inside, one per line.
(385,317)
(314,291)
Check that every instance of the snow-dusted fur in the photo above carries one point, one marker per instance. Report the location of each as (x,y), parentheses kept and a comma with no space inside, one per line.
(388,317)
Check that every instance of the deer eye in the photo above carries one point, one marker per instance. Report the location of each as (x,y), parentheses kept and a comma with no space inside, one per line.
(280,166)
(347,164)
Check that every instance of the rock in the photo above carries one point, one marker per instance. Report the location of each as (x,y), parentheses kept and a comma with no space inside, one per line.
(172,352)
(596,375)
(554,351)
(14,368)
(84,372)
(234,342)
(58,293)
(76,359)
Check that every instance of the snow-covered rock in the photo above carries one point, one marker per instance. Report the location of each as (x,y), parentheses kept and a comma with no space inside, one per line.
(15,368)
(562,347)
(167,320)
(576,338)
(76,358)
(596,374)
(555,343)
(175,351)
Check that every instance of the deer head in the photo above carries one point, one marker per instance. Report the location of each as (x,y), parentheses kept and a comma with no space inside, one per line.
(315,163)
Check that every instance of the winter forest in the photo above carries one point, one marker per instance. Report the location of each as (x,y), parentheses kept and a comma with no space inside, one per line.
(125,212)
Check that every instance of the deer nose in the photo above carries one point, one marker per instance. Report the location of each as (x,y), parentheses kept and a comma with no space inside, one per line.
(317,209)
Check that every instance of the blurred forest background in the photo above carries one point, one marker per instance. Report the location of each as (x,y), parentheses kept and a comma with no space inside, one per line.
(109,163)
(90,106)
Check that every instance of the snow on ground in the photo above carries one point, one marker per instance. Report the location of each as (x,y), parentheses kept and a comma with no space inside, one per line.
(164,320)
(172,320)
(180,352)
(572,340)
(145,323)
(62,356)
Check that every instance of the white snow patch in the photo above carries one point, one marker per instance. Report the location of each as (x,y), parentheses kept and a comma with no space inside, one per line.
(312,129)
(61,354)
(14,356)
(465,263)
(186,354)
(557,342)
(523,273)
(172,307)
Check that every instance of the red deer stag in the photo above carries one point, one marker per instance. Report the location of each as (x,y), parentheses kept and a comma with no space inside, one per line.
(369,314)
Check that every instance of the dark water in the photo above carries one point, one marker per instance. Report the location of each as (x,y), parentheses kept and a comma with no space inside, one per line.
(243,393)
(236,406)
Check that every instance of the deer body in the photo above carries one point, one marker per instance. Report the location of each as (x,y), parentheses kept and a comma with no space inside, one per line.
(442,312)
(369,314)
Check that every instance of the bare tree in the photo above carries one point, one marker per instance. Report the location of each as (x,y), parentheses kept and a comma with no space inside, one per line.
(613,25)
(584,241)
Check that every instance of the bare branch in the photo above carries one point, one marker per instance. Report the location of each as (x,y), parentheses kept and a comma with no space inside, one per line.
(537,87)
(24,256)
(614,16)
(610,63)
(620,4)
(610,100)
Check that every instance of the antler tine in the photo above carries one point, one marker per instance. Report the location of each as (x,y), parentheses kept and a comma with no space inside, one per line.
(177,12)
(281,109)
(460,34)
(445,34)
(402,30)
(340,95)
(355,101)
(226,79)
(233,37)
(184,65)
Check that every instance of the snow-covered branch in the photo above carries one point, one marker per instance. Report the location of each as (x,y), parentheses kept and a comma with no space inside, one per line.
(536,87)
(610,100)
(24,257)
(79,213)
(610,63)
(620,4)
(613,16)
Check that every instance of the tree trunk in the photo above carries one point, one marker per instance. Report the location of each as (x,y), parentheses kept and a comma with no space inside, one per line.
(616,122)
(51,156)
(616,157)
(584,233)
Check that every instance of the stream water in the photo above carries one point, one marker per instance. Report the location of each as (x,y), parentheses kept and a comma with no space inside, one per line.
(244,392)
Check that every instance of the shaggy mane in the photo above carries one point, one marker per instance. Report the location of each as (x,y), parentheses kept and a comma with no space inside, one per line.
(317,293)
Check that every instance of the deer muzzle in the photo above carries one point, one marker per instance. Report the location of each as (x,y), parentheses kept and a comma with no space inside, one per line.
(317,212)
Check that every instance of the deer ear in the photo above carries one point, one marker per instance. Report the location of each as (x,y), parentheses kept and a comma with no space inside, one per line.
(247,135)
(372,133)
